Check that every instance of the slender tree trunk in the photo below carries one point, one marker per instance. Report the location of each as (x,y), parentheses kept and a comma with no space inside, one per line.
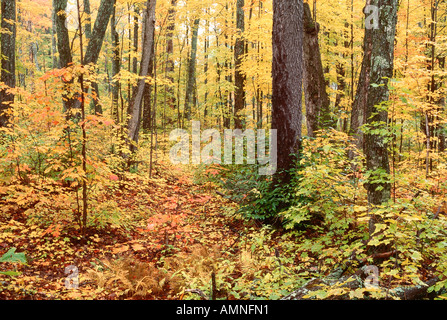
(358,114)
(190,86)
(116,67)
(56,64)
(170,66)
(94,46)
(316,97)
(88,19)
(94,105)
(136,32)
(239,77)
(99,31)
(287,82)
(138,94)
(147,100)
(8,47)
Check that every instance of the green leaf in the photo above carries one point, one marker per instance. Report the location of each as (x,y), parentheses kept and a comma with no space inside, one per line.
(13,257)
(11,273)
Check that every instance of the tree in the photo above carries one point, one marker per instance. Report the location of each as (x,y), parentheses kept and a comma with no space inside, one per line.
(116,66)
(138,93)
(239,77)
(287,72)
(191,82)
(8,47)
(379,66)
(94,46)
(316,97)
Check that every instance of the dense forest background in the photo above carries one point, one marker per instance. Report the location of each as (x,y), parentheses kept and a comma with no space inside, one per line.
(92,206)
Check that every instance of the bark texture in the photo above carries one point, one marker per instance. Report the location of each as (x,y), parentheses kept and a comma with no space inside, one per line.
(287,82)
(191,83)
(358,114)
(381,67)
(239,76)
(8,47)
(316,98)
(138,94)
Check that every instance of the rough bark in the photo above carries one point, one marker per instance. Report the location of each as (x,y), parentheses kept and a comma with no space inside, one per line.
(191,82)
(63,39)
(94,46)
(53,39)
(116,66)
(358,117)
(381,67)
(147,99)
(8,47)
(99,31)
(287,82)
(94,105)
(138,94)
(316,98)
(88,19)
(170,67)
(239,76)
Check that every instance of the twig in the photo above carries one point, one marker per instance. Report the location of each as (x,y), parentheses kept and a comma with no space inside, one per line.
(197,291)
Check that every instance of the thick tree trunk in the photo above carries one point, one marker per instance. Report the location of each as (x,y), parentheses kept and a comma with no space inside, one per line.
(287,82)
(239,77)
(138,94)
(8,47)
(316,98)
(381,67)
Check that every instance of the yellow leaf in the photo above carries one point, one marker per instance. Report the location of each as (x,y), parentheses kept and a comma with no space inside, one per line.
(138,247)
(120,249)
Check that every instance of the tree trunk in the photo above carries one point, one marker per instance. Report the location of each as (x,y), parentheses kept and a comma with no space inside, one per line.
(170,67)
(239,77)
(116,67)
(287,82)
(63,39)
(190,87)
(358,116)
(8,47)
(94,46)
(88,19)
(316,97)
(63,47)
(53,39)
(147,99)
(99,31)
(94,104)
(138,94)
(381,66)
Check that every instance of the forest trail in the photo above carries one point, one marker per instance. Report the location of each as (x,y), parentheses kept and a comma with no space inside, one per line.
(169,216)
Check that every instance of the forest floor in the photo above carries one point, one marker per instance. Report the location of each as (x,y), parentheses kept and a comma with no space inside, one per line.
(178,235)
